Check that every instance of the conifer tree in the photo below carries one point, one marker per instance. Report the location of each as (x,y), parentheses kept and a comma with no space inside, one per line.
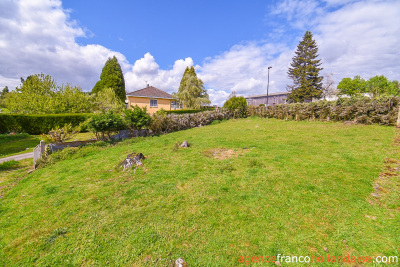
(304,71)
(111,77)
(192,93)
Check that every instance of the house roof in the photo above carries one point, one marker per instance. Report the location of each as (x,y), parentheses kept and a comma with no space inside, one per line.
(150,91)
(265,95)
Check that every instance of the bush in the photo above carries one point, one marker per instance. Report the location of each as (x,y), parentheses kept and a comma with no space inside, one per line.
(183,111)
(173,122)
(362,110)
(38,124)
(103,125)
(237,105)
(83,126)
(137,118)
(11,164)
(60,135)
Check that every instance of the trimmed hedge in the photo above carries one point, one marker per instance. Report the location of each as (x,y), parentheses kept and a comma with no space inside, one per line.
(38,124)
(183,111)
(189,111)
(162,124)
(382,111)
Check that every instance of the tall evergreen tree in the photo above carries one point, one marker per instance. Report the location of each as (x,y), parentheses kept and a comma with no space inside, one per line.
(192,93)
(304,71)
(111,77)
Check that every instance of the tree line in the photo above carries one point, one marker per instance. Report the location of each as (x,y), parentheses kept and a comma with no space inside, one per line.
(304,71)
(40,93)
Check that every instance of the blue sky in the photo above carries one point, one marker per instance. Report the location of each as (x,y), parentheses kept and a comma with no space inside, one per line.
(230,43)
(171,30)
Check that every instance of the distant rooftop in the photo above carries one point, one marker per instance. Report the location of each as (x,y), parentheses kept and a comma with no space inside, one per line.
(265,95)
(150,91)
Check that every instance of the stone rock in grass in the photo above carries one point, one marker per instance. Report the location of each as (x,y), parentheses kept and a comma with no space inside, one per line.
(185,144)
(180,263)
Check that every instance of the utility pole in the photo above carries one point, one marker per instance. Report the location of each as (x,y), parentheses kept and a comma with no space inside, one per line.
(268,84)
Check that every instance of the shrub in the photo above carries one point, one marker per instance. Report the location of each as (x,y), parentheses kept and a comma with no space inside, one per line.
(83,126)
(11,164)
(103,125)
(183,111)
(60,135)
(237,105)
(162,111)
(38,124)
(363,110)
(173,122)
(137,118)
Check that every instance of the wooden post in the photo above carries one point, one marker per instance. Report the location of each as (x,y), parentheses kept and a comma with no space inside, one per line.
(398,117)
(42,145)
(38,152)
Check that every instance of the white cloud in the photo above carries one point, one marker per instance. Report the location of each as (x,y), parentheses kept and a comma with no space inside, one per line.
(146,69)
(218,97)
(244,68)
(354,37)
(39,36)
(361,39)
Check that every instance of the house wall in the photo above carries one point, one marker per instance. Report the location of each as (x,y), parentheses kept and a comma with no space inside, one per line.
(272,100)
(145,102)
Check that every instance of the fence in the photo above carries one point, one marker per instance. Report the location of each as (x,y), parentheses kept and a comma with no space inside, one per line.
(38,152)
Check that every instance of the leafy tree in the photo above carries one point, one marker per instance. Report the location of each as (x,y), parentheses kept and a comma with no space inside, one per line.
(304,71)
(40,94)
(33,96)
(68,99)
(107,100)
(238,105)
(3,94)
(192,93)
(380,85)
(111,77)
(351,87)
(137,118)
(375,86)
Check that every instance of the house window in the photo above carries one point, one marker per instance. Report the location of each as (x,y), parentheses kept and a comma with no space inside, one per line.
(153,103)
(176,105)
(173,104)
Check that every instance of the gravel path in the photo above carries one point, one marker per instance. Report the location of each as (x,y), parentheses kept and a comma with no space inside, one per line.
(18,157)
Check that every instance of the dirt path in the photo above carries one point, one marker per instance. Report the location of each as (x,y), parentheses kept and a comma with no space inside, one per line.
(17,157)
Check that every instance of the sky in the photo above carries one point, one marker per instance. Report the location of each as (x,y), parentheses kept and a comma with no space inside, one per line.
(230,43)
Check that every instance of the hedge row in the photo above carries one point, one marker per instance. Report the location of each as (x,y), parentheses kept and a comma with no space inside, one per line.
(362,110)
(188,111)
(175,122)
(38,124)
(183,111)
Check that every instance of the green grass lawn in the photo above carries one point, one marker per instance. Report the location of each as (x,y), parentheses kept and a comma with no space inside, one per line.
(17,144)
(22,143)
(247,187)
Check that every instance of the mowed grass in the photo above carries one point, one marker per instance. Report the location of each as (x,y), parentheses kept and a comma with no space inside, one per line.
(17,144)
(247,187)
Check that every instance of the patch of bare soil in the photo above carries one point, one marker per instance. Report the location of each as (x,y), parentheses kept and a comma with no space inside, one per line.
(223,153)
(389,178)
